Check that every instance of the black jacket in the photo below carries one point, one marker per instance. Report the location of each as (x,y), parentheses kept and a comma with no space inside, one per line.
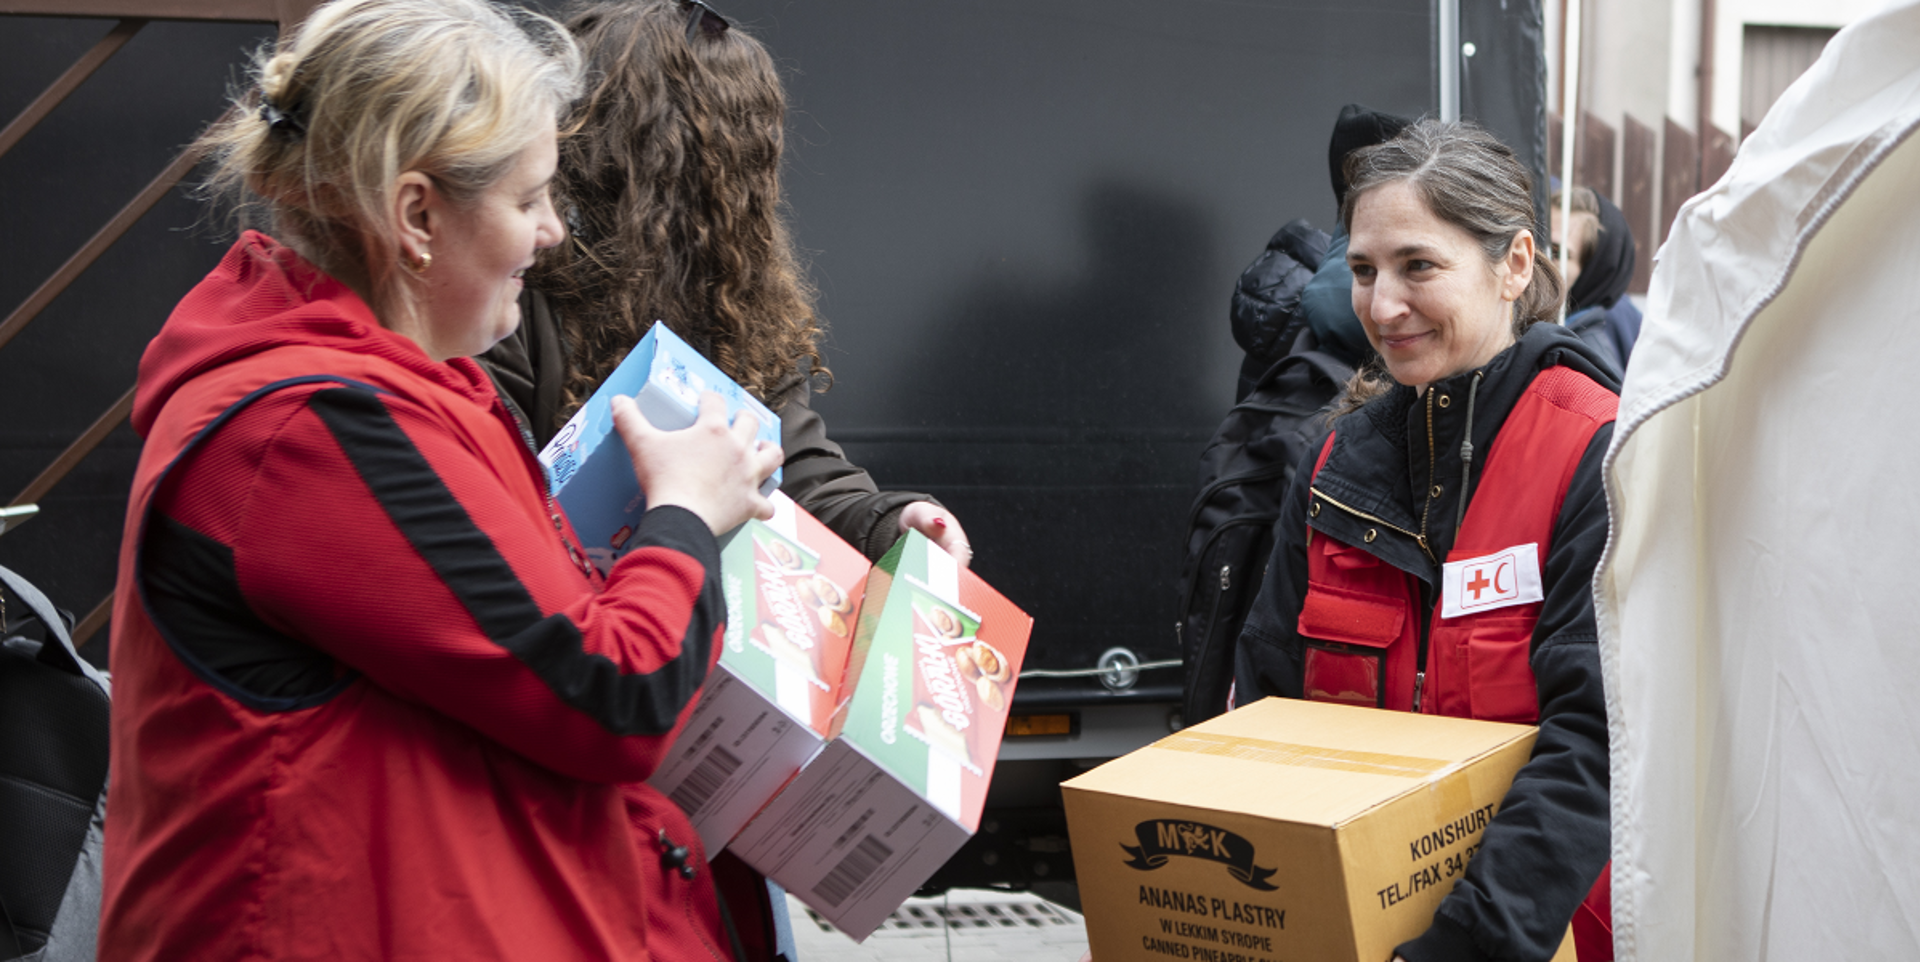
(1550,839)
(1266,300)
(529,370)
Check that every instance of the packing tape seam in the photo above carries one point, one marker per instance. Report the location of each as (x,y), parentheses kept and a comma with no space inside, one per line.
(1305,756)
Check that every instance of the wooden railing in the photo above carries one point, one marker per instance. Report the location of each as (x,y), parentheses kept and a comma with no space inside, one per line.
(132,16)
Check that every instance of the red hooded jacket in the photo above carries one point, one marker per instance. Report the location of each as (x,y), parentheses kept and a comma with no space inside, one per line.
(367,706)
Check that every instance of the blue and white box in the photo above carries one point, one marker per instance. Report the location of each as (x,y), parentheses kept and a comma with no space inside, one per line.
(591,474)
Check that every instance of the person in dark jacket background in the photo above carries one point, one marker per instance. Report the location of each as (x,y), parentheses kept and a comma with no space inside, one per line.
(672,191)
(1301,280)
(1600,256)
(1388,517)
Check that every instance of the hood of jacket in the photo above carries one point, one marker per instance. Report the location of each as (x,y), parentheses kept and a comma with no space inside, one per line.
(264,296)
(1608,272)
(1400,447)
(1357,126)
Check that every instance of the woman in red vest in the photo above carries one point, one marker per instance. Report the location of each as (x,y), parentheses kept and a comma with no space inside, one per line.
(1437,554)
(371,702)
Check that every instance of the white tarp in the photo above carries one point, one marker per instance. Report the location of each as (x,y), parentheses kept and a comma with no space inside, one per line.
(1760,598)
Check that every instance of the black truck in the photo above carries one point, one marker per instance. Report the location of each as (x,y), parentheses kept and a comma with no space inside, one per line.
(1024,218)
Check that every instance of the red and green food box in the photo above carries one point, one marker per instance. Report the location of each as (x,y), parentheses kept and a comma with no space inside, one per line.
(793,592)
(901,785)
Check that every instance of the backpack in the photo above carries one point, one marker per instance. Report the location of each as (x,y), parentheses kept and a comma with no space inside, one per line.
(53,779)
(1244,474)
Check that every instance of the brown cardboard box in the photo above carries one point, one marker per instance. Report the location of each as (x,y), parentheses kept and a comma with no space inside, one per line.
(1287,831)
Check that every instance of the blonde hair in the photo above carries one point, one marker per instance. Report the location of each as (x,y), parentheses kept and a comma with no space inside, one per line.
(369,89)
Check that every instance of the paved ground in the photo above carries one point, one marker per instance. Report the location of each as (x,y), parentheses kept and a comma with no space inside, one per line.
(983,926)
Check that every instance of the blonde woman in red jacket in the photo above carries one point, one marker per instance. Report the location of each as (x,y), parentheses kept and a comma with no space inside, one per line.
(370,701)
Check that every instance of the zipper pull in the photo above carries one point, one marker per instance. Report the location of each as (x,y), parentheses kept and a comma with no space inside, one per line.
(1225,579)
(1419,684)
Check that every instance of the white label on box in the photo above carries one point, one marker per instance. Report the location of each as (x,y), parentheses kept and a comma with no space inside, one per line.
(784,520)
(943,575)
(943,783)
(793,689)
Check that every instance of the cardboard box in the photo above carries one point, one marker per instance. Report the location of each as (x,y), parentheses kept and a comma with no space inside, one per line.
(901,786)
(1286,830)
(591,473)
(793,591)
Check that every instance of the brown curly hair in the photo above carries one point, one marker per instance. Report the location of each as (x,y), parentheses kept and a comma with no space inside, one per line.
(670,181)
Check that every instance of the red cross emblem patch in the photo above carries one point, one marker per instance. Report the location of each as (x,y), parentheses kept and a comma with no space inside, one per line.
(1509,577)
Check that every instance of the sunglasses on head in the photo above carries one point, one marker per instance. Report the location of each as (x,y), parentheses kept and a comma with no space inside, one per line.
(701,17)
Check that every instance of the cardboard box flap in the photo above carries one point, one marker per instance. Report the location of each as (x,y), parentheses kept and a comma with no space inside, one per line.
(1359,759)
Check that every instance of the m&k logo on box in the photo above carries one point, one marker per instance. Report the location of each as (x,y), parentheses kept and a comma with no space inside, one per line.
(1162,839)
(1509,577)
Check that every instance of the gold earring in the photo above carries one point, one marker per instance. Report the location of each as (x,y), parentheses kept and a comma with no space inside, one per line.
(420,266)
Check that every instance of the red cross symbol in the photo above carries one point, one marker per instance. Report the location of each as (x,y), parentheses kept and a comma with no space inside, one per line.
(1479,583)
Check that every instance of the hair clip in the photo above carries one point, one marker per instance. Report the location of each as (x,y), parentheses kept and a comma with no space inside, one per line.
(282,122)
(702,18)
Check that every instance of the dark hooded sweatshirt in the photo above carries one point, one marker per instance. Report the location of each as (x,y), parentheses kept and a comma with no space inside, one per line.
(1550,840)
(1598,308)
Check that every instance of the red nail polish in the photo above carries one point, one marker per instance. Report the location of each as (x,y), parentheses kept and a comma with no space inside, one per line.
(940,523)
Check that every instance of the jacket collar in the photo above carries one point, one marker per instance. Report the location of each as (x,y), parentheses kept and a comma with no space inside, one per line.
(1383,471)
(264,296)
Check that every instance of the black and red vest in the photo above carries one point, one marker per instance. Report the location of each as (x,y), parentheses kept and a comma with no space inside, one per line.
(1362,617)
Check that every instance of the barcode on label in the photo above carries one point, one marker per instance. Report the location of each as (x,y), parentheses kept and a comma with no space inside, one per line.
(706,779)
(870,854)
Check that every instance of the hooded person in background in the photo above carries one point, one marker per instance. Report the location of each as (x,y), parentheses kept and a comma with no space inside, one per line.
(1600,258)
(1301,280)
(1328,300)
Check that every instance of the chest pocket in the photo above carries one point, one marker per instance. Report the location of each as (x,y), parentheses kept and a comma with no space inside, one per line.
(1347,637)
(1480,666)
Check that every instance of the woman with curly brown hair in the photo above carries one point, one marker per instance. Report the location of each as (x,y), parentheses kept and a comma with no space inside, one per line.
(671,185)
